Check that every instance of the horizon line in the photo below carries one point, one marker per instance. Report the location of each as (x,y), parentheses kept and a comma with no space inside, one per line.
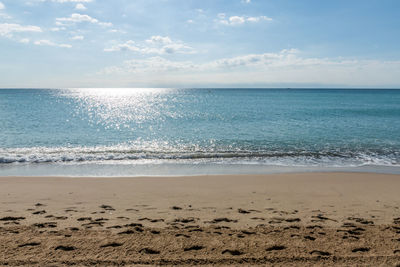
(206,88)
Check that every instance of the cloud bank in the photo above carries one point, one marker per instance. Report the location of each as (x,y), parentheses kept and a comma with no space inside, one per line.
(78,18)
(286,66)
(156,44)
(7,29)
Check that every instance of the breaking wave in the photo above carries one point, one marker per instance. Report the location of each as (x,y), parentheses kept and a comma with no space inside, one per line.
(115,154)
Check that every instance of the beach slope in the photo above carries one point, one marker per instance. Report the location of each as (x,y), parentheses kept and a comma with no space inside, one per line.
(280,219)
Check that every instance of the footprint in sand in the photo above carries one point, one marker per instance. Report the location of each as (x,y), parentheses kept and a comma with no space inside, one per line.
(232,252)
(314,226)
(360,220)
(56,217)
(65,248)
(352,237)
(248,232)
(113,244)
(362,249)
(31,244)
(149,251)
(183,235)
(39,212)
(276,220)
(70,210)
(84,219)
(107,207)
(290,220)
(320,253)
(133,225)
(10,218)
(243,211)
(131,210)
(130,232)
(45,225)
(186,220)
(221,227)
(93,223)
(114,227)
(321,218)
(258,218)
(151,220)
(218,220)
(276,247)
(123,218)
(195,247)
(309,237)
(196,230)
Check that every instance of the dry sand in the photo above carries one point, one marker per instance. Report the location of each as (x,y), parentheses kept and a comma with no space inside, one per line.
(282,219)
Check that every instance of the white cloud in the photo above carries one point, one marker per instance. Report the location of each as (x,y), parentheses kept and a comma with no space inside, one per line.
(71,1)
(286,57)
(157,39)
(153,64)
(50,43)
(257,19)
(221,15)
(2,14)
(286,66)
(117,31)
(129,45)
(80,7)
(24,41)
(238,20)
(78,18)
(246,1)
(155,45)
(77,37)
(56,29)
(7,29)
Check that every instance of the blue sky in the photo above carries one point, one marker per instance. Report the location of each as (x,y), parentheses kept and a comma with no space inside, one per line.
(207,43)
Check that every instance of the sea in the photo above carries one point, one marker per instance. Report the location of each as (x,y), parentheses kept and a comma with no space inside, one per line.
(107,132)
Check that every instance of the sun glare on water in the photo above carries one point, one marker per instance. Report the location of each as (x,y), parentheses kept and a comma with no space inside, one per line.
(121,107)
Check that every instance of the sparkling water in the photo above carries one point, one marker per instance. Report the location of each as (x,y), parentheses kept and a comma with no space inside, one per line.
(132,131)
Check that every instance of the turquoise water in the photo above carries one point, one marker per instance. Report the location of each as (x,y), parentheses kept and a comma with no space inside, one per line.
(149,131)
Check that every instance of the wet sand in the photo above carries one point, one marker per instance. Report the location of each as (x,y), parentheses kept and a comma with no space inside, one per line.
(279,219)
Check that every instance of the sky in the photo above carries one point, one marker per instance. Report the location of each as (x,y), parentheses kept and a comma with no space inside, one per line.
(199,43)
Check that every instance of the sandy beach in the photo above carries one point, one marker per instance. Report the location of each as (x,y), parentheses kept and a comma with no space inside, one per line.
(279,219)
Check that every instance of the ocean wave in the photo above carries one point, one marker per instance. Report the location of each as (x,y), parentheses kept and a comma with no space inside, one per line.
(333,157)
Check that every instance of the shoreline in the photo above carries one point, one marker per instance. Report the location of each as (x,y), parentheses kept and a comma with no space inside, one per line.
(280,219)
(317,172)
(176,169)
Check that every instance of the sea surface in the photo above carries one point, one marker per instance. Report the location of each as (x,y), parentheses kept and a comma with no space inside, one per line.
(134,132)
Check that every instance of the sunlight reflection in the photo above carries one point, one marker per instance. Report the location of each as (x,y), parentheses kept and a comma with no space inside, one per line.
(120,107)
